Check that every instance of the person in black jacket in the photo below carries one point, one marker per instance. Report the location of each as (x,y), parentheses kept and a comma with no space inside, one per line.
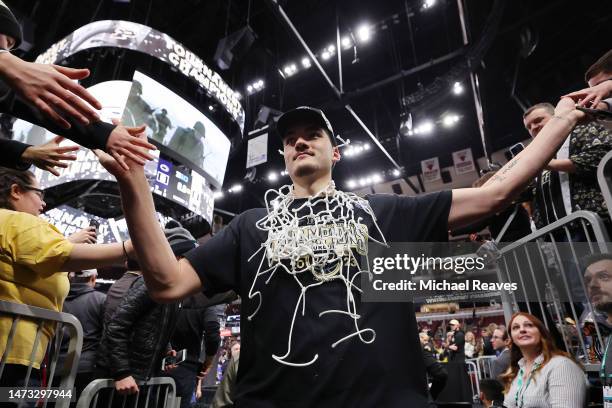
(457,344)
(46,95)
(436,373)
(137,335)
(87,305)
(192,321)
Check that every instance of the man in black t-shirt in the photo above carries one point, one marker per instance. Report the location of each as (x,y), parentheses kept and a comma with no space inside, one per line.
(307,339)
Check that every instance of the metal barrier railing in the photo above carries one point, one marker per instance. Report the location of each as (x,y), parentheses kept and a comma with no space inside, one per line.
(544,265)
(484,366)
(604,178)
(21,315)
(157,392)
(472,371)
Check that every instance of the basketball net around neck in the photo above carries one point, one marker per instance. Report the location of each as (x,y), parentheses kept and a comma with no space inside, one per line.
(329,258)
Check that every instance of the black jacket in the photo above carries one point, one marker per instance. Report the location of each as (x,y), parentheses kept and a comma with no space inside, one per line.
(93,136)
(87,305)
(459,341)
(135,338)
(436,373)
(192,321)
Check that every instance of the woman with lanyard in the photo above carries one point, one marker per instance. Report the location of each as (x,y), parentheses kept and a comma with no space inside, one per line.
(540,375)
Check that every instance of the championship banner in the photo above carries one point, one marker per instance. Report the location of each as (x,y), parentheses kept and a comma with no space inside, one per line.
(138,37)
(463,161)
(430,169)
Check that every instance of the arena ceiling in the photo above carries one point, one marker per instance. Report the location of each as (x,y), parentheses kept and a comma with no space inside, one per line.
(523,51)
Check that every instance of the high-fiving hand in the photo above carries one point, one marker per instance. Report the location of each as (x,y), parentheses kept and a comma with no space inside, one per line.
(121,160)
(49,155)
(50,89)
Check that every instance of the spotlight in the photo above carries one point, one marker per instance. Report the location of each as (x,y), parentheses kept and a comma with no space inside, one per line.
(450,120)
(306,62)
(351,184)
(346,42)
(362,182)
(364,33)
(272,176)
(457,88)
(428,4)
(366,146)
(376,178)
(331,49)
(211,108)
(396,173)
(236,188)
(325,55)
(290,69)
(259,84)
(424,128)
(217,195)
(250,88)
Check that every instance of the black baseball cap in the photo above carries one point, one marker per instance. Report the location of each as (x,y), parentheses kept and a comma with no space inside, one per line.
(304,114)
(9,24)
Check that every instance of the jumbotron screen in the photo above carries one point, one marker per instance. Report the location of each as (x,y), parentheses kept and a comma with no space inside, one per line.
(175,182)
(177,127)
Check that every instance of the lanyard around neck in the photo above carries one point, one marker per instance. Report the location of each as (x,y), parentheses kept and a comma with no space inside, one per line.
(521,391)
(602,370)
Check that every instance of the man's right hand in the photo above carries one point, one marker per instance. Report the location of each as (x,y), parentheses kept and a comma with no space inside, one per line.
(129,142)
(50,89)
(119,161)
(126,386)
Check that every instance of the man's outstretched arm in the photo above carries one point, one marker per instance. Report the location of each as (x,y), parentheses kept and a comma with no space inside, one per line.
(471,204)
(166,278)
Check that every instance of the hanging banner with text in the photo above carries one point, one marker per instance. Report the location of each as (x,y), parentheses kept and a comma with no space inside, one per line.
(257,151)
(430,169)
(463,161)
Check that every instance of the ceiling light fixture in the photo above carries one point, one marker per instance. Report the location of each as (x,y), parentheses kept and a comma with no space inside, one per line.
(364,33)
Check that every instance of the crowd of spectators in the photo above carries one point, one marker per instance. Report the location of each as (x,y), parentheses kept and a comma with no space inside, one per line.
(129,331)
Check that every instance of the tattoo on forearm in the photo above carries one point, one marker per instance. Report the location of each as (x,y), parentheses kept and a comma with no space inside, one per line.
(498,178)
(510,165)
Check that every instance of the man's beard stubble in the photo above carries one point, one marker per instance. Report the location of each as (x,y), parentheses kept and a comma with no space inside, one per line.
(605,307)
